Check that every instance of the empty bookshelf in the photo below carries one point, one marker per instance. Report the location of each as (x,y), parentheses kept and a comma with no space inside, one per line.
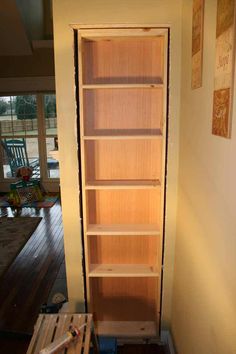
(122,82)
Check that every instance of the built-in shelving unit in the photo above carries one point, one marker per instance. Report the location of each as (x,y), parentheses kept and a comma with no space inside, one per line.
(123,89)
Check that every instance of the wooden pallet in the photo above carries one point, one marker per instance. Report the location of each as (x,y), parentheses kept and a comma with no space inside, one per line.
(50,327)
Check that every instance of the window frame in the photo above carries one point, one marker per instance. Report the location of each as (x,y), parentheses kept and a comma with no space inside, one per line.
(41,137)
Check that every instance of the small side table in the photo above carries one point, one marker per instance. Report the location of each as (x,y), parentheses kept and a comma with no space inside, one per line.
(51,326)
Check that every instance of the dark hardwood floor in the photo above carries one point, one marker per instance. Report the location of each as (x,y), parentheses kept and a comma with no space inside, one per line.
(13,344)
(27,283)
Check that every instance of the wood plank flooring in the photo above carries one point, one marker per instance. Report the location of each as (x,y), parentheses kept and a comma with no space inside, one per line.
(27,283)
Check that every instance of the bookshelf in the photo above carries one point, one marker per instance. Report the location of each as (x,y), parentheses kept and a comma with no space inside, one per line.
(122,98)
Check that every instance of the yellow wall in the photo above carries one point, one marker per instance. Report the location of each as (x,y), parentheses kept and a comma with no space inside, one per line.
(97,12)
(204,296)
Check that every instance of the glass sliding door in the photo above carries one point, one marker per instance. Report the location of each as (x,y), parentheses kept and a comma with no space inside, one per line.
(19,133)
(50,124)
(28,134)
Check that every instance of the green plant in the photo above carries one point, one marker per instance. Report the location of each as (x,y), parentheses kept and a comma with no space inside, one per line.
(26,107)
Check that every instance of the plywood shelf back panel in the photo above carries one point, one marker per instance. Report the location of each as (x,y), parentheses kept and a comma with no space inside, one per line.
(124,249)
(133,60)
(123,206)
(124,298)
(123,111)
(116,159)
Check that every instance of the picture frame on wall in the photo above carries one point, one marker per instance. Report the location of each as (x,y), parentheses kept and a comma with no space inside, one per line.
(224,68)
(197,43)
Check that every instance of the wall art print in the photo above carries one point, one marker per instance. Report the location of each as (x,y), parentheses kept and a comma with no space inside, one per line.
(224,68)
(197,43)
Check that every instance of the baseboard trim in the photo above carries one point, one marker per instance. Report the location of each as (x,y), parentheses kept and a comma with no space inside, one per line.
(166,338)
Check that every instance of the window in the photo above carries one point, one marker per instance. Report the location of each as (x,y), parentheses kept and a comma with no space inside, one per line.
(50,119)
(28,132)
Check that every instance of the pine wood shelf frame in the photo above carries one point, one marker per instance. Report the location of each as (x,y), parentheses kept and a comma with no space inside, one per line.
(123,96)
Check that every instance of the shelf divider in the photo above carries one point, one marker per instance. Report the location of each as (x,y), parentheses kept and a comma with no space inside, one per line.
(123,229)
(114,86)
(127,328)
(122,270)
(122,184)
(124,134)
(121,137)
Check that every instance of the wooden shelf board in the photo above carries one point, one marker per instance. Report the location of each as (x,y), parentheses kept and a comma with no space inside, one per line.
(113,86)
(121,329)
(123,229)
(122,184)
(125,134)
(122,270)
(121,137)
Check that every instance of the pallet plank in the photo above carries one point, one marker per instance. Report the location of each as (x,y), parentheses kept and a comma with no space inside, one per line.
(48,328)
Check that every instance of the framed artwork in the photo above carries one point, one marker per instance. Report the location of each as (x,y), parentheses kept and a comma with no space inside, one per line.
(197,43)
(224,68)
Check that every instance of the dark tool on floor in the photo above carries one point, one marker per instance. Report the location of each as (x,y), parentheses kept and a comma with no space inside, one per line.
(51,308)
